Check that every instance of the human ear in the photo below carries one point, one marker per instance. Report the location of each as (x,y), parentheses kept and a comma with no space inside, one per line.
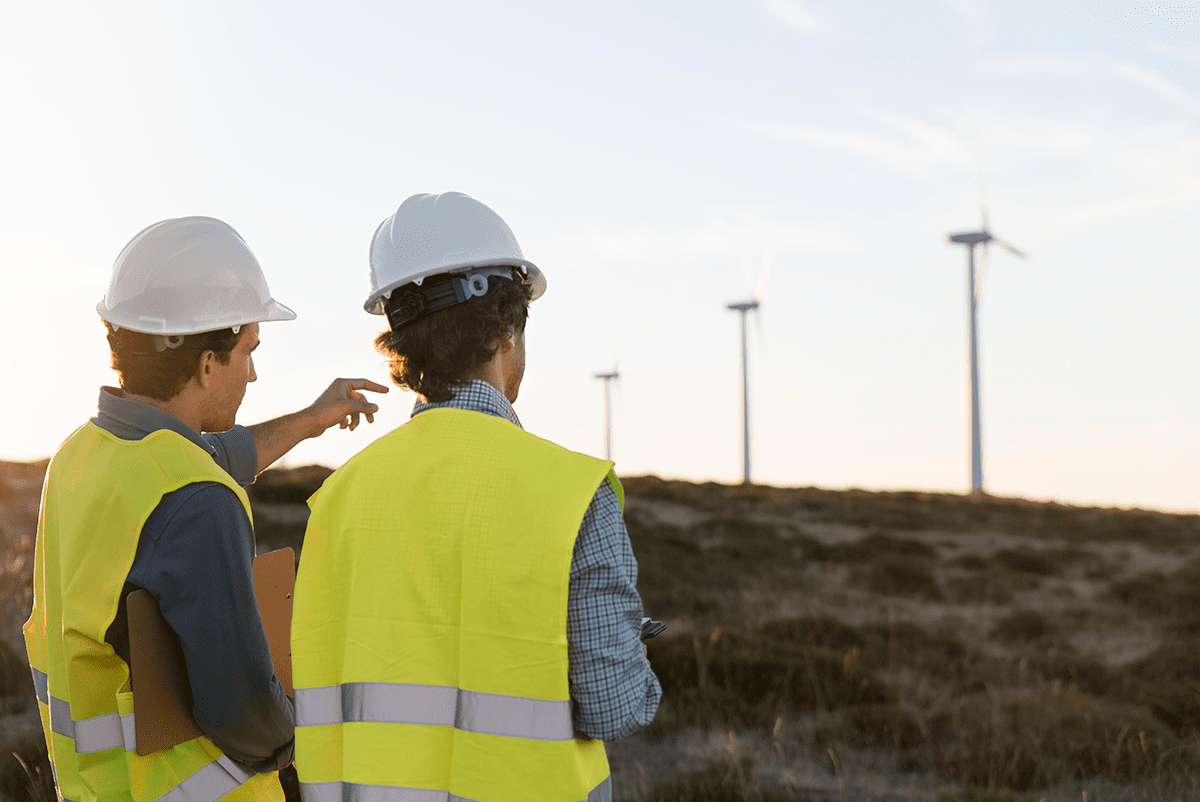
(508,341)
(204,368)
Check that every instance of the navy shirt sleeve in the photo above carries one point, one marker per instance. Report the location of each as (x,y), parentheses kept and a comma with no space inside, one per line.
(195,556)
(236,453)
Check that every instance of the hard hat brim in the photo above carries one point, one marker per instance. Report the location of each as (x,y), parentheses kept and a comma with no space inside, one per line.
(272,311)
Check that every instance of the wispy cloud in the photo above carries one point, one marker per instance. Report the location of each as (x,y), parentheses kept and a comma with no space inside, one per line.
(727,231)
(793,13)
(1081,67)
(921,151)
(1160,160)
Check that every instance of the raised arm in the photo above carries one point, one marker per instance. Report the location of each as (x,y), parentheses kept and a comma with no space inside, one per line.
(341,403)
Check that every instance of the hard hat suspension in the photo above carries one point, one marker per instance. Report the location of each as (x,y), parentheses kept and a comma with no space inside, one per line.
(411,302)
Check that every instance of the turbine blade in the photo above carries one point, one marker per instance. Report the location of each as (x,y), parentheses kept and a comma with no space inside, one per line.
(983,216)
(613,346)
(1012,250)
(764,275)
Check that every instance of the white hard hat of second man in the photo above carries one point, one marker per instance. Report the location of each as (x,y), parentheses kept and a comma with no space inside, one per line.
(450,233)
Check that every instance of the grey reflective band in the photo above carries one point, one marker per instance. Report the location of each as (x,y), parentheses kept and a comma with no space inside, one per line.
(94,734)
(41,685)
(435,705)
(110,730)
(129,730)
(354,792)
(209,783)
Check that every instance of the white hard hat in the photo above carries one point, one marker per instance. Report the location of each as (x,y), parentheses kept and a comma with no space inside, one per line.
(186,276)
(448,233)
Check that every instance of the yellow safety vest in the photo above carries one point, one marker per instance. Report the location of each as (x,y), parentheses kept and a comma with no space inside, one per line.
(99,492)
(429,641)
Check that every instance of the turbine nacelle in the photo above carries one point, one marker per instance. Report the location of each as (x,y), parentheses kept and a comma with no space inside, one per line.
(744,306)
(971,237)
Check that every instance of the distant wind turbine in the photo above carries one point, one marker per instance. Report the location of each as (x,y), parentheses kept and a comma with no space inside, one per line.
(744,307)
(608,378)
(974,286)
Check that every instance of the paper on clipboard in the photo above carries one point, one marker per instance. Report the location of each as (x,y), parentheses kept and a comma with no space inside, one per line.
(162,697)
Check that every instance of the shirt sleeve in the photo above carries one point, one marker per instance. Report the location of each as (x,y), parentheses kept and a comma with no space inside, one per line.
(236,453)
(613,689)
(200,569)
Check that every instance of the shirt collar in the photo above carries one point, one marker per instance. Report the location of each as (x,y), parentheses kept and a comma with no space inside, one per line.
(133,420)
(478,396)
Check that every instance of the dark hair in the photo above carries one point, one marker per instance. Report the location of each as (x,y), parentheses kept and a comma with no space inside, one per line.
(433,355)
(143,370)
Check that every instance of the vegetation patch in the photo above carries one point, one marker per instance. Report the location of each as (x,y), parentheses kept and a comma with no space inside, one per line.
(1031,740)
(25,773)
(897,576)
(719,781)
(890,727)
(993,587)
(874,546)
(973,793)
(1168,681)
(1028,561)
(1023,626)
(746,679)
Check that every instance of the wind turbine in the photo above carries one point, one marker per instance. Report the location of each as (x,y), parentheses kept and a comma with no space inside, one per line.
(974,286)
(744,307)
(608,378)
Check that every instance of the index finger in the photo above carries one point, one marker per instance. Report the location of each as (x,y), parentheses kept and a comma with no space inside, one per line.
(365,384)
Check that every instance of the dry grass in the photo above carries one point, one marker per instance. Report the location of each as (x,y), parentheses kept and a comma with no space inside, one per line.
(849,645)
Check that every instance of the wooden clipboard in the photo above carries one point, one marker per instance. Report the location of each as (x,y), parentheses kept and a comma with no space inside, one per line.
(162,696)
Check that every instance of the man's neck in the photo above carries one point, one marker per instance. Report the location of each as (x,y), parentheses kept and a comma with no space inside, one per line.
(176,407)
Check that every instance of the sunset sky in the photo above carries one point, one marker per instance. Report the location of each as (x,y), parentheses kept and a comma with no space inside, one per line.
(647,156)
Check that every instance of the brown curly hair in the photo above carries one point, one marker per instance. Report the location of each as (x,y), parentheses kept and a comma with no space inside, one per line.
(434,355)
(142,370)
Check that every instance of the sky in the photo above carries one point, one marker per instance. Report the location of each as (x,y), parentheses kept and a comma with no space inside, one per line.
(647,156)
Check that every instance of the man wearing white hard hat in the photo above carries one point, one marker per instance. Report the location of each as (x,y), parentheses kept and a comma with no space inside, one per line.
(466,622)
(148,494)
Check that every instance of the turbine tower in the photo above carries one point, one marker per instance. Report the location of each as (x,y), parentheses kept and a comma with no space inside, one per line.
(744,307)
(974,285)
(608,378)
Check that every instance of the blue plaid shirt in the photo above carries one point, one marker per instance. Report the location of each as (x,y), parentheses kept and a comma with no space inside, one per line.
(612,686)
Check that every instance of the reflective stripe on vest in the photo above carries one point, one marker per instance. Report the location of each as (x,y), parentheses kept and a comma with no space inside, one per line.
(90,734)
(208,784)
(435,705)
(355,792)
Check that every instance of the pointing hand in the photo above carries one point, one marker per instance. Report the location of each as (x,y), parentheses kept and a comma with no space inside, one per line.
(341,403)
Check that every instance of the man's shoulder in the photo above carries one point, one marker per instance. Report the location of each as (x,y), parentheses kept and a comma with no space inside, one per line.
(197,508)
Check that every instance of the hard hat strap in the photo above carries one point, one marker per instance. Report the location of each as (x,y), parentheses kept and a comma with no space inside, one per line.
(411,302)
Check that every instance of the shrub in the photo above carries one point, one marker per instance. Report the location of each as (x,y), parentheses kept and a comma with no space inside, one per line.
(993,587)
(735,678)
(1032,740)
(1022,626)
(898,576)
(888,727)
(1027,561)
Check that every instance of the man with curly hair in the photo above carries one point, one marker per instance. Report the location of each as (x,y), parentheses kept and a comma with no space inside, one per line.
(466,622)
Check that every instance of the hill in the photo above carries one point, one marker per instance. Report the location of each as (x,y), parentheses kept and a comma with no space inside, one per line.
(848,644)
